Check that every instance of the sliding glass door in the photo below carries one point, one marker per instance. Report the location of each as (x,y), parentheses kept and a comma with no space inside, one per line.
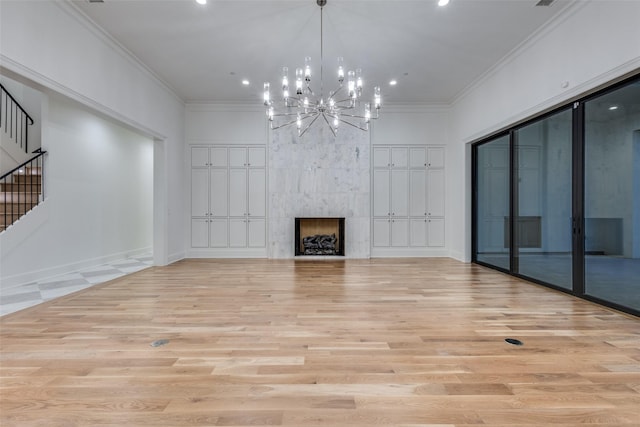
(492,219)
(612,196)
(542,226)
(557,199)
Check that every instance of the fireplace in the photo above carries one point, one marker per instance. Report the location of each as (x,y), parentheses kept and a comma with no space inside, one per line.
(319,237)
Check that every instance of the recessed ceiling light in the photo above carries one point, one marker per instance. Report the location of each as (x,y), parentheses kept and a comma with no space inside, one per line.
(443,2)
(201,1)
(613,107)
(245,82)
(393,82)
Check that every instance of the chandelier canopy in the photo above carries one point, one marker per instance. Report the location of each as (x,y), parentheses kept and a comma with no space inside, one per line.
(300,105)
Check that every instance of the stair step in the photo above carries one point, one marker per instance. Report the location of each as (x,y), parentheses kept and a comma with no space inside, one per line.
(19,197)
(12,187)
(27,179)
(15,208)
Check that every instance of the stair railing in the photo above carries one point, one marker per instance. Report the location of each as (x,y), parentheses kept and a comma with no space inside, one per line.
(14,119)
(21,189)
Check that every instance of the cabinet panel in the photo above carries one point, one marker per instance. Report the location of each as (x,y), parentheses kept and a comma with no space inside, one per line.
(435,157)
(237,192)
(199,192)
(218,195)
(199,157)
(418,232)
(435,192)
(381,232)
(399,232)
(237,233)
(218,233)
(381,158)
(257,230)
(256,157)
(417,157)
(237,157)
(199,233)
(218,157)
(435,232)
(399,193)
(381,178)
(399,157)
(418,192)
(257,192)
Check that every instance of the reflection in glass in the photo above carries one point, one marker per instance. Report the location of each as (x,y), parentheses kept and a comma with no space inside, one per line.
(612,196)
(492,220)
(543,226)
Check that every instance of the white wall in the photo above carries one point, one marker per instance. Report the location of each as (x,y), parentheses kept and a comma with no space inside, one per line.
(99,199)
(588,46)
(66,54)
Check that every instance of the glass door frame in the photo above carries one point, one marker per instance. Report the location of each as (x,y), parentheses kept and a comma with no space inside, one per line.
(577,203)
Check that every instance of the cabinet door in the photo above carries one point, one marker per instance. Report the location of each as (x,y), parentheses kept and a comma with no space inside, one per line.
(256,157)
(435,192)
(381,158)
(199,157)
(199,233)
(399,157)
(399,232)
(218,192)
(218,233)
(418,232)
(435,232)
(399,193)
(237,192)
(435,157)
(257,231)
(257,192)
(237,233)
(381,178)
(418,192)
(381,232)
(199,192)
(218,157)
(237,157)
(417,157)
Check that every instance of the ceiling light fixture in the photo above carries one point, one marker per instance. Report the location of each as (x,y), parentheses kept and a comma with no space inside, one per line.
(613,107)
(201,1)
(301,106)
(443,2)
(245,82)
(393,82)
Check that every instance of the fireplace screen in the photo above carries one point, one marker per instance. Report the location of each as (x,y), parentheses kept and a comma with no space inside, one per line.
(319,236)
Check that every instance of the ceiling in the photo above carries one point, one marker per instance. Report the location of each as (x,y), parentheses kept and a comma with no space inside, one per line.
(204,52)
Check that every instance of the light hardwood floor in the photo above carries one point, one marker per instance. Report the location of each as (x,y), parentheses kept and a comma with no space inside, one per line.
(383,342)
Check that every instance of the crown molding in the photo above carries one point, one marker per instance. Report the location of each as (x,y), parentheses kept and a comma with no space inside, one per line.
(83,19)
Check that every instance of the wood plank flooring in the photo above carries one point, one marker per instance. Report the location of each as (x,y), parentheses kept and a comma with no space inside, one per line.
(383,342)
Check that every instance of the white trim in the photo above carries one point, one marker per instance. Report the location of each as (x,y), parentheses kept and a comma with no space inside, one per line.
(54,87)
(49,273)
(82,18)
(227,253)
(526,44)
(409,253)
(224,107)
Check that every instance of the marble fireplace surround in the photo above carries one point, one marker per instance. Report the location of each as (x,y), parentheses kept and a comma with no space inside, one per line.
(319,175)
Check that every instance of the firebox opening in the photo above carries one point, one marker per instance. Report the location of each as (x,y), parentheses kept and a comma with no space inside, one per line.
(319,236)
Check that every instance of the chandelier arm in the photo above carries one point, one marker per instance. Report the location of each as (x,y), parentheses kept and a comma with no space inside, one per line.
(283,125)
(324,116)
(351,124)
(310,123)
(284,114)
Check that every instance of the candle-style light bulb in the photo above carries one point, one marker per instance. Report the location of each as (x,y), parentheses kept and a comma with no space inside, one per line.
(377,98)
(299,74)
(351,84)
(367,112)
(267,95)
(340,70)
(307,69)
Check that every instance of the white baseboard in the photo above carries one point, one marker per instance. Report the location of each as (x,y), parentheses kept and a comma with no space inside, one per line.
(408,252)
(228,253)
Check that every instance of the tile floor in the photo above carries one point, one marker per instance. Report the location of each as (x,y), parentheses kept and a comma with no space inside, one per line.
(30,294)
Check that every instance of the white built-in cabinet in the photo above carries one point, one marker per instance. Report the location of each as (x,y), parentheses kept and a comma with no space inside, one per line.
(408,199)
(228,197)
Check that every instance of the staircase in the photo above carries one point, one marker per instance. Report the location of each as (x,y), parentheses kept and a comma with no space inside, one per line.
(19,193)
(21,187)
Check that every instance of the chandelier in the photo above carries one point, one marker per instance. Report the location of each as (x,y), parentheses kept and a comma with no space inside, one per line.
(300,105)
